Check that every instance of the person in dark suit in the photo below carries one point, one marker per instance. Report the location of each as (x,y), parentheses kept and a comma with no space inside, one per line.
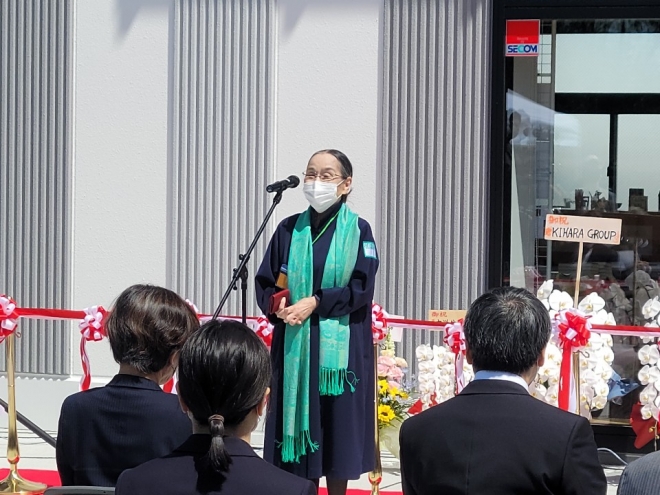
(224,374)
(494,438)
(104,431)
(641,477)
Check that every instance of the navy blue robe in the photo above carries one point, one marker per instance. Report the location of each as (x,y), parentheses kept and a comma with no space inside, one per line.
(343,426)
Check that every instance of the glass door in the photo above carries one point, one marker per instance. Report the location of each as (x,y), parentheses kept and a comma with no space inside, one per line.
(583,138)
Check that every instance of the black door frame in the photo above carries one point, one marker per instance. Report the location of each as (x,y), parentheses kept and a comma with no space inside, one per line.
(616,438)
(499,186)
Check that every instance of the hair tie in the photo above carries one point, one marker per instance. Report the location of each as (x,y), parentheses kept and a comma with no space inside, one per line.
(216,417)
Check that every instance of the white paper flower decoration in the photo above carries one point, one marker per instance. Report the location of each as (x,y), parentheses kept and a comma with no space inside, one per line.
(591,304)
(426,367)
(649,411)
(648,395)
(552,395)
(588,377)
(595,360)
(538,391)
(587,395)
(424,353)
(649,354)
(602,317)
(651,308)
(560,300)
(545,290)
(601,389)
(552,354)
(437,374)
(599,402)
(648,374)
(596,341)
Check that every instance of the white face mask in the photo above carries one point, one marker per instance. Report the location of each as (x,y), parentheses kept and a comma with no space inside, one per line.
(321,195)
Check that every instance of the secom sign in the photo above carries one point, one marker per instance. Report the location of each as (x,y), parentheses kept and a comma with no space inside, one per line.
(529,50)
(522,37)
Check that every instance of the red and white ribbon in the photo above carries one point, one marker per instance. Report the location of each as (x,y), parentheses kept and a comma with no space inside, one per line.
(170,386)
(378,322)
(264,330)
(455,339)
(91,329)
(8,316)
(192,306)
(573,329)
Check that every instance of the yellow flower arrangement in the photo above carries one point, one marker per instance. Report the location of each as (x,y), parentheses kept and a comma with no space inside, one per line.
(385,414)
(399,393)
(393,400)
(383,387)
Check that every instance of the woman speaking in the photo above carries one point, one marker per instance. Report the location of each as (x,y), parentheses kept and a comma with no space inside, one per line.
(316,283)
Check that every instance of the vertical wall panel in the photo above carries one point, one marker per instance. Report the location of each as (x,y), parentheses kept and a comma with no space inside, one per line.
(434,157)
(35,173)
(222,143)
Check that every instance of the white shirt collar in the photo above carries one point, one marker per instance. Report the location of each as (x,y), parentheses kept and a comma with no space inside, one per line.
(501,375)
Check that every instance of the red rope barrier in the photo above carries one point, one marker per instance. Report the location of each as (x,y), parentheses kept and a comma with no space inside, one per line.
(67,314)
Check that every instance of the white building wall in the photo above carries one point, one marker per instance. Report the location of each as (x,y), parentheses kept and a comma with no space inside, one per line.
(120,150)
(328,70)
(330,61)
(120,153)
(327,95)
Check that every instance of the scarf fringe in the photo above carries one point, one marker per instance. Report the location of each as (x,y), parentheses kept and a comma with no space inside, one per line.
(331,381)
(294,447)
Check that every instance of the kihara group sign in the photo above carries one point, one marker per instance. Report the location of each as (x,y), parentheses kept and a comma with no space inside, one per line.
(592,230)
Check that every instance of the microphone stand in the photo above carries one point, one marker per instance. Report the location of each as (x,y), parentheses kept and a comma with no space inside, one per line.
(241,272)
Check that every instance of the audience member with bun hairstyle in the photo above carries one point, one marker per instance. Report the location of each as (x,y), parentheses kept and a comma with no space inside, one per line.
(224,377)
(105,430)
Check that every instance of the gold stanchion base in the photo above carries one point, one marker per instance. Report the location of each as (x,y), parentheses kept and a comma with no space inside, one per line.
(375,478)
(14,484)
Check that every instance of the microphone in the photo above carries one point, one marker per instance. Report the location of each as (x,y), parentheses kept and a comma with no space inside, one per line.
(282,185)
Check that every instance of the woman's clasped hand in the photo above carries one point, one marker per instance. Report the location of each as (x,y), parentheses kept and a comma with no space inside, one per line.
(297,313)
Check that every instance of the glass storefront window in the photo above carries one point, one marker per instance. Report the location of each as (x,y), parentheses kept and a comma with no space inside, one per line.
(583,138)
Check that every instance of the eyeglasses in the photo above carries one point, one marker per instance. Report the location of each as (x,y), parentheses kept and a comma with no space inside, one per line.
(324,177)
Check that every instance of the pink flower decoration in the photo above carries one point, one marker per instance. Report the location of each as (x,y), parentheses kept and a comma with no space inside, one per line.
(395,373)
(386,361)
(383,370)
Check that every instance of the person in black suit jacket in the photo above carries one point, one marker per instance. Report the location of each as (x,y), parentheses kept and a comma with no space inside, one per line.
(104,431)
(494,438)
(224,373)
(641,477)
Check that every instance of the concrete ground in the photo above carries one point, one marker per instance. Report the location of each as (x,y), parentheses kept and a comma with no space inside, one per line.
(36,454)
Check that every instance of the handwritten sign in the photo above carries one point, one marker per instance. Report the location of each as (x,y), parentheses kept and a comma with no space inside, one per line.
(593,230)
(448,315)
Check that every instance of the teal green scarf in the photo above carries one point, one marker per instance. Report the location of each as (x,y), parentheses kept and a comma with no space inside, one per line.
(334,332)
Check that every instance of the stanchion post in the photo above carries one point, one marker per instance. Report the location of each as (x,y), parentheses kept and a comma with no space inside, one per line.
(576,355)
(376,475)
(13,483)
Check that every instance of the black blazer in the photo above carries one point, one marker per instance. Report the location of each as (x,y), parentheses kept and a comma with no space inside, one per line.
(177,474)
(105,430)
(641,477)
(496,439)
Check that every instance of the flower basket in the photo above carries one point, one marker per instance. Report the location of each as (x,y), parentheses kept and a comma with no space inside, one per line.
(389,436)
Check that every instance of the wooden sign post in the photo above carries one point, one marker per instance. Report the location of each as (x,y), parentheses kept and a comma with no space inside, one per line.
(592,230)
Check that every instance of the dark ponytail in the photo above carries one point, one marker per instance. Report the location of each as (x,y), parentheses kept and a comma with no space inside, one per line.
(218,457)
(224,371)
